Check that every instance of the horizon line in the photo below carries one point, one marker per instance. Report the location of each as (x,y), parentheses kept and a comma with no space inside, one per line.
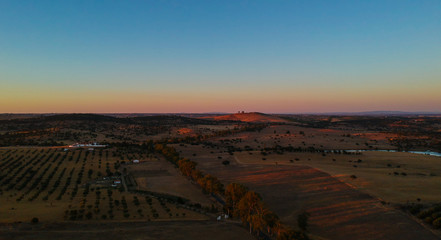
(295,113)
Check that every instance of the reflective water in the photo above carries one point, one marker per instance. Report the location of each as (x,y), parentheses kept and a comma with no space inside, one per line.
(431,153)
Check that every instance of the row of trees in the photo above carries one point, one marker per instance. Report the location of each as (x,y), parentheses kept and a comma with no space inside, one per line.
(208,183)
(240,202)
(249,207)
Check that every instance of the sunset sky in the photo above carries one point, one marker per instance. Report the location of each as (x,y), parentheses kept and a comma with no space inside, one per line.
(219,56)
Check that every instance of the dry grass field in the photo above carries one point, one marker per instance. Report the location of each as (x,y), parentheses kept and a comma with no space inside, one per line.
(392,176)
(75,193)
(289,135)
(158,175)
(197,230)
(340,206)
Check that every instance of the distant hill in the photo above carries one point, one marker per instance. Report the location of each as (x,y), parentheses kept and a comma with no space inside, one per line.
(100,118)
(248,117)
(81,117)
(171,119)
(381,113)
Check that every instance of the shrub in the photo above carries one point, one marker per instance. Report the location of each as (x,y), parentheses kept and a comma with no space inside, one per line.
(34,220)
(429,212)
(415,209)
(302,220)
(428,220)
(437,223)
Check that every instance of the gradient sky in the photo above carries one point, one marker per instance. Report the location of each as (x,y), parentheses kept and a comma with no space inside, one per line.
(220,56)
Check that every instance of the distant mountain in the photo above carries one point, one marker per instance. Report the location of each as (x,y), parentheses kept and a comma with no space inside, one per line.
(248,117)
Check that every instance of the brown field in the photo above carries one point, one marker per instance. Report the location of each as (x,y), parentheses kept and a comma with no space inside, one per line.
(393,177)
(338,210)
(158,175)
(286,135)
(191,130)
(348,196)
(248,117)
(198,230)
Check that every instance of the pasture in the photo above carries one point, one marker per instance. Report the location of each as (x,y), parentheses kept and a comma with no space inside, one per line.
(394,177)
(291,183)
(158,175)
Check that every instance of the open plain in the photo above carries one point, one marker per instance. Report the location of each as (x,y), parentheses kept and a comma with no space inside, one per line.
(344,176)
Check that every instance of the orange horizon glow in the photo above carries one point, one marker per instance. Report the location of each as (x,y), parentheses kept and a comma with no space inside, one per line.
(271,57)
(200,101)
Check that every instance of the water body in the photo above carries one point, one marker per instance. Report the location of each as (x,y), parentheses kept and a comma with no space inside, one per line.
(431,153)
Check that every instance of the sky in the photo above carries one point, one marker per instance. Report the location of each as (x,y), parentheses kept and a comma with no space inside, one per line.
(219,56)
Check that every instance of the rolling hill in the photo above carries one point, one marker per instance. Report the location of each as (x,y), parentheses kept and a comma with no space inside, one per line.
(248,117)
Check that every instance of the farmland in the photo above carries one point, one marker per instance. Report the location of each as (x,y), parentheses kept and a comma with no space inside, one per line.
(56,185)
(189,172)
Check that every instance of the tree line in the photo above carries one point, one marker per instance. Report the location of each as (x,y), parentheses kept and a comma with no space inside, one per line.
(207,182)
(240,201)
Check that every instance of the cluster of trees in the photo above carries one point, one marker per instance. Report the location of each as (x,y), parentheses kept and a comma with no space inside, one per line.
(431,215)
(249,207)
(281,149)
(26,140)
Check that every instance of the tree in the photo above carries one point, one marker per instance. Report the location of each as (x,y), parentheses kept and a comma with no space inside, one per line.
(196,174)
(234,192)
(289,234)
(186,166)
(34,220)
(272,222)
(302,220)
(437,223)
(211,184)
(250,210)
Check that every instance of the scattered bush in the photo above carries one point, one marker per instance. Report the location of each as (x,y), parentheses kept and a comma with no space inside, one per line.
(34,220)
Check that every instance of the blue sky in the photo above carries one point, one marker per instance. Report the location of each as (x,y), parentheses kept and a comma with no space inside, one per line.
(253,55)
